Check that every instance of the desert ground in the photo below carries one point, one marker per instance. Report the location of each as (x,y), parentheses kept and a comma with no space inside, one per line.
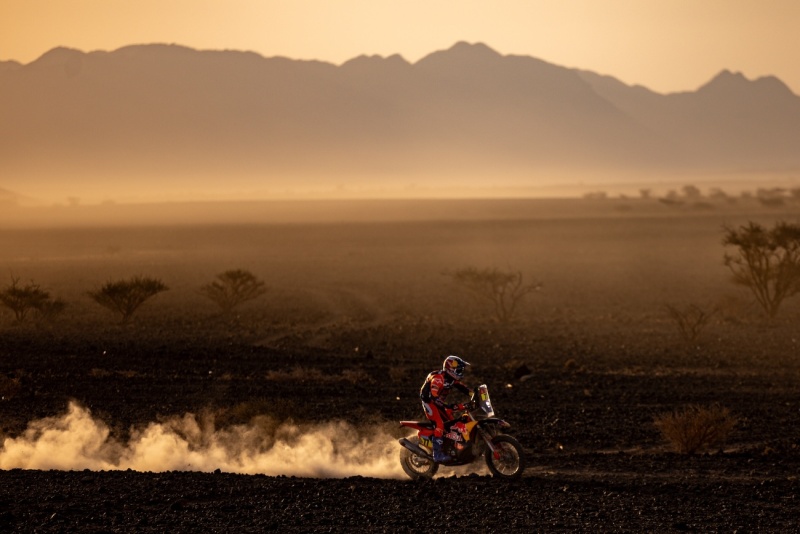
(283,415)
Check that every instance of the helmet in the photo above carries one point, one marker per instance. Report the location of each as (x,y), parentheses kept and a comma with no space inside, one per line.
(454,366)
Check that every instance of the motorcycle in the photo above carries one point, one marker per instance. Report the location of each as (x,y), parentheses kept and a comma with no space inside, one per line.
(474,434)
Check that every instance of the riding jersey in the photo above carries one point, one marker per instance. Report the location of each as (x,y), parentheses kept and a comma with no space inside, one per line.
(438,385)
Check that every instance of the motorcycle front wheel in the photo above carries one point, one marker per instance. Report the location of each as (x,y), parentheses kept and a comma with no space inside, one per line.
(416,466)
(509,463)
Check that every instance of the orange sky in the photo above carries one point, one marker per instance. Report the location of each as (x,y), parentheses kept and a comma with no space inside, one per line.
(666,45)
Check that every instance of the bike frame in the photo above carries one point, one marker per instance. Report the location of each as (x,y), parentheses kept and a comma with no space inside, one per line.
(476,427)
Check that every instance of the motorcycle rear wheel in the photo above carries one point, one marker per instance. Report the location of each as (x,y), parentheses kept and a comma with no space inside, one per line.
(415,466)
(511,463)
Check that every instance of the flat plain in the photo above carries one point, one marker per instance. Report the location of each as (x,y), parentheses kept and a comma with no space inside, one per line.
(359,308)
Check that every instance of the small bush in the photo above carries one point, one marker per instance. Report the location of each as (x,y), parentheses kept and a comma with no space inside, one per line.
(691,321)
(696,428)
(126,296)
(503,289)
(233,288)
(22,299)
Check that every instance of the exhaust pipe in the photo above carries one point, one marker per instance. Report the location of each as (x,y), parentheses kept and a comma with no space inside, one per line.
(416,449)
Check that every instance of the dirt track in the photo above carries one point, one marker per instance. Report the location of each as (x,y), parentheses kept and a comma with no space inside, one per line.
(355,318)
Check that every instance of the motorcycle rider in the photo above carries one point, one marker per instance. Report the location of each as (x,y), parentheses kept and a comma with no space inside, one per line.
(433,394)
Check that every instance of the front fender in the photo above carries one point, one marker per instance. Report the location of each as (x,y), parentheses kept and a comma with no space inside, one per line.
(493,422)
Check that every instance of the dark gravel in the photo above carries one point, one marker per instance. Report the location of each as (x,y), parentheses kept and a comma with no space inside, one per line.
(35,501)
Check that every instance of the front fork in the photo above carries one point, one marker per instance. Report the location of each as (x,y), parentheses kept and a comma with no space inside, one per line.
(487,438)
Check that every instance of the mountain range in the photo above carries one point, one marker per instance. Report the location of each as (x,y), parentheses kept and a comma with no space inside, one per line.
(166,119)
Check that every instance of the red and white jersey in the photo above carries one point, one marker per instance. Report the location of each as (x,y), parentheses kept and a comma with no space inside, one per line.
(437,386)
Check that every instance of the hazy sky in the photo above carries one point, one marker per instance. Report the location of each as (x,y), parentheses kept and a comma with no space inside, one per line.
(666,45)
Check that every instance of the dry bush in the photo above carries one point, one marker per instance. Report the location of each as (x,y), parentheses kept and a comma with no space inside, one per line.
(233,288)
(126,296)
(691,320)
(21,299)
(696,428)
(767,261)
(505,290)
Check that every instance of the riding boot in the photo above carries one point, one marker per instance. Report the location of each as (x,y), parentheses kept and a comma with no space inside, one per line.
(439,456)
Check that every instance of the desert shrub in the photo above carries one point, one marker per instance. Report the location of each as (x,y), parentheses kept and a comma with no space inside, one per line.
(767,261)
(773,197)
(126,296)
(691,320)
(696,428)
(691,192)
(23,299)
(718,194)
(672,198)
(503,289)
(232,288)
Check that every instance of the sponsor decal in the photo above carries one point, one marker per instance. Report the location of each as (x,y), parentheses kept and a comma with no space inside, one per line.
(455,436)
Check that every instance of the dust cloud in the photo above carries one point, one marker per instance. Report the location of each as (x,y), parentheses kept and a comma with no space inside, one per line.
(77,441)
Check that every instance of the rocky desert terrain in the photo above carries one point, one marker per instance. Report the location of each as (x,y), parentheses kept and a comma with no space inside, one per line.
(283,414)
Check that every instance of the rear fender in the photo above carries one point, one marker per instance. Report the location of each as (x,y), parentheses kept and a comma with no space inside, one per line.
(424,427)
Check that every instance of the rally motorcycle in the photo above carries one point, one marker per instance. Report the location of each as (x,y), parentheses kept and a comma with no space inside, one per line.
(475,433)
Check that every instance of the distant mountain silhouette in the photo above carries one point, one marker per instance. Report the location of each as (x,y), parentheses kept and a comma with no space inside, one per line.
(167,116)
(9,65)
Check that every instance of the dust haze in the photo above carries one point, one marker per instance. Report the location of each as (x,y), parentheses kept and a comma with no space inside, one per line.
(166,123)
(352,191)
(76,441)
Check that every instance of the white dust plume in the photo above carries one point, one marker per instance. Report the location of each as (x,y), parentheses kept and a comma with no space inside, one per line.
(76,441)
